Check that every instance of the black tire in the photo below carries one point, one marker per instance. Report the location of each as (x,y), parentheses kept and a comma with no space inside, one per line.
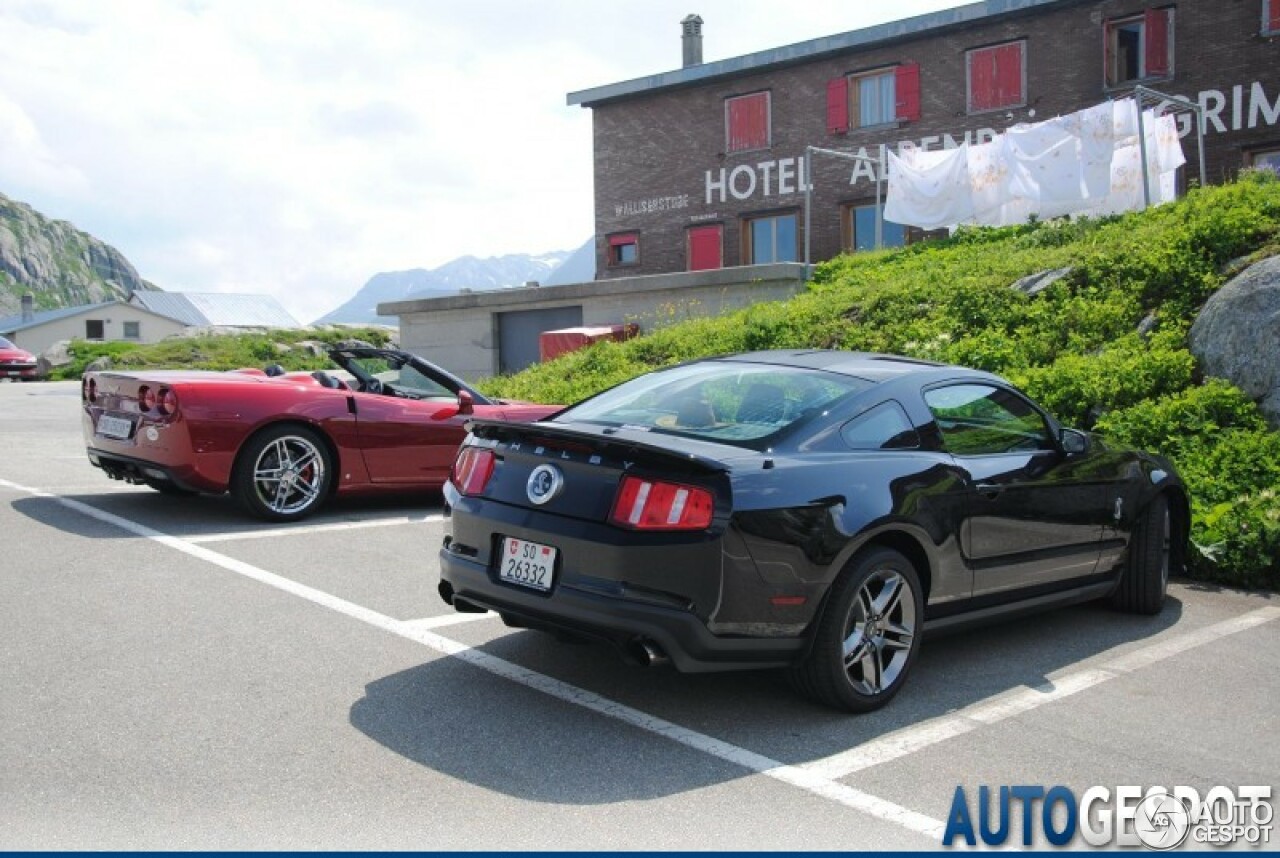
(1149,560)
(169,489)
(863,614)
(283,473)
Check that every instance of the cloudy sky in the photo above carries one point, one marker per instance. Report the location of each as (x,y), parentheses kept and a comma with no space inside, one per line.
(297,147)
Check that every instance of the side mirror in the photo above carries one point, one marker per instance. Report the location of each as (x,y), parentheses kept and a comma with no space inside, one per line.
(1074,442)
(466,403)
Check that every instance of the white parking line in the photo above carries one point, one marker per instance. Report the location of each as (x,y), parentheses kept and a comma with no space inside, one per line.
(797,776)
(445,620)
(280,530)
(1016,702)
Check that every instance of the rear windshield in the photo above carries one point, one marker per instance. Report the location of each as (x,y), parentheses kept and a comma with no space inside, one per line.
(735,403)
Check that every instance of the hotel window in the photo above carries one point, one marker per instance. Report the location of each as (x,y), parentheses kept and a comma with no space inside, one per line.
(860,229)
(94,329)
(770,239)
(996,77)
(747,122)
(873,98)
(1270,17)
(132,330)
(1139,47)
(624,249)
(1265,159)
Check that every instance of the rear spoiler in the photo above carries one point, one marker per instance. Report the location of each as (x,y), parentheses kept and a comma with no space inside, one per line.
(612,446)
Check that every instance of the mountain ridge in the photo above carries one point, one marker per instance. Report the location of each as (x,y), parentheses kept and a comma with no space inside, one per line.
(57,263)
(466,272)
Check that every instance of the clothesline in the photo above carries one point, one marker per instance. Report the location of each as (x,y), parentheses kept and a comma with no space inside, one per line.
(1087,162)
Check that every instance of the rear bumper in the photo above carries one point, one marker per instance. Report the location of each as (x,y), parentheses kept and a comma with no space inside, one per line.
(681,635)
(133,470)
(19,370)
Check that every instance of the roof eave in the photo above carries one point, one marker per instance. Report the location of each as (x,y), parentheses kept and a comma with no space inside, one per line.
(805,51)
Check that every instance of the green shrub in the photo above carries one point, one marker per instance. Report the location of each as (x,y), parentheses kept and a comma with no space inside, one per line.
(215,352)
(1238,541)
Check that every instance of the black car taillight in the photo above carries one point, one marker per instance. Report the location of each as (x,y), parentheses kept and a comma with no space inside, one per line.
(472,469)
(659,505)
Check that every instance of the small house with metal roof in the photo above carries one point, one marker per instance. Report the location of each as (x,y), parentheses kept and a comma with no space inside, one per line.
(36,331)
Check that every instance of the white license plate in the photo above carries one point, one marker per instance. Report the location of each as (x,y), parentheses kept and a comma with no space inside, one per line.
(528,564)
(114,427)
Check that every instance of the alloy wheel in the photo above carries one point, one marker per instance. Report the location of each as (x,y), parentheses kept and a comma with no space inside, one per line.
(879,632)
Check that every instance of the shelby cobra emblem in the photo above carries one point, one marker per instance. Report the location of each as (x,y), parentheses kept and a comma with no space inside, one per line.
(545,482)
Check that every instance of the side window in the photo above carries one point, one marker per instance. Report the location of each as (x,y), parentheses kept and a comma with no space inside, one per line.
(624,249)
(1265,159)
(415,382)
(1139,47)
(883,427)
(981,419)
(769,239)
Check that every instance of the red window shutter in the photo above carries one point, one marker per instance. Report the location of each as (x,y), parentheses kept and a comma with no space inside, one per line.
(838,105)
(1156,23)
(1009,75)
(704,247)
(748,122)
(982,80)
(626,238)
(1273,15)
(907,88)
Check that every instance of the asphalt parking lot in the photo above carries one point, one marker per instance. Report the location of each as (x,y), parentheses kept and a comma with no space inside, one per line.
(177,676)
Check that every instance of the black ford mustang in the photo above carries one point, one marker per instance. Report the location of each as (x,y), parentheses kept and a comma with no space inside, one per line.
(814,510)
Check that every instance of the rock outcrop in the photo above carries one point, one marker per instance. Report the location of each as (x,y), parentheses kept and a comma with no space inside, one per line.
(1237,335)
(56,262)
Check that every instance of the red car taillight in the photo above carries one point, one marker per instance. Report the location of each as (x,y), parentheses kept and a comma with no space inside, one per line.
(472,470)
(146,398)
(657,505)
(168,402)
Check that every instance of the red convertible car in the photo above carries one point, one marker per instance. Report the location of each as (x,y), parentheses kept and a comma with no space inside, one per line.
(283,442)
(16,363)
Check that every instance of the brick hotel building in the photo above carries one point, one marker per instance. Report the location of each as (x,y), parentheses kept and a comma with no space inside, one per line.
(702,167)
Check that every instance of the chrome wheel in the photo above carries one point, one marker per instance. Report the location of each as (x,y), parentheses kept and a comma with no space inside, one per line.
(289,475)
(879,632)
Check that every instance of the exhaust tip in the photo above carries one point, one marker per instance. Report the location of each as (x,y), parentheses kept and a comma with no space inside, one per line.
(646,653)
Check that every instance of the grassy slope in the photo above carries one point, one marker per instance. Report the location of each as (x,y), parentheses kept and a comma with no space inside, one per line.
(1074,347)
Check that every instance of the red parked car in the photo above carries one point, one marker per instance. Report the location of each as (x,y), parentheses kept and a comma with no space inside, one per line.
(17,363)
(283,442)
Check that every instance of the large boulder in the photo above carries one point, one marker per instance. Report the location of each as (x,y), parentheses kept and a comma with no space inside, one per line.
(1237,335)
(1034,284)
(58,354)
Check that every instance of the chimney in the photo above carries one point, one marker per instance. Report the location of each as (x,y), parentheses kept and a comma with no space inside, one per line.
(28,308)
(692,40)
